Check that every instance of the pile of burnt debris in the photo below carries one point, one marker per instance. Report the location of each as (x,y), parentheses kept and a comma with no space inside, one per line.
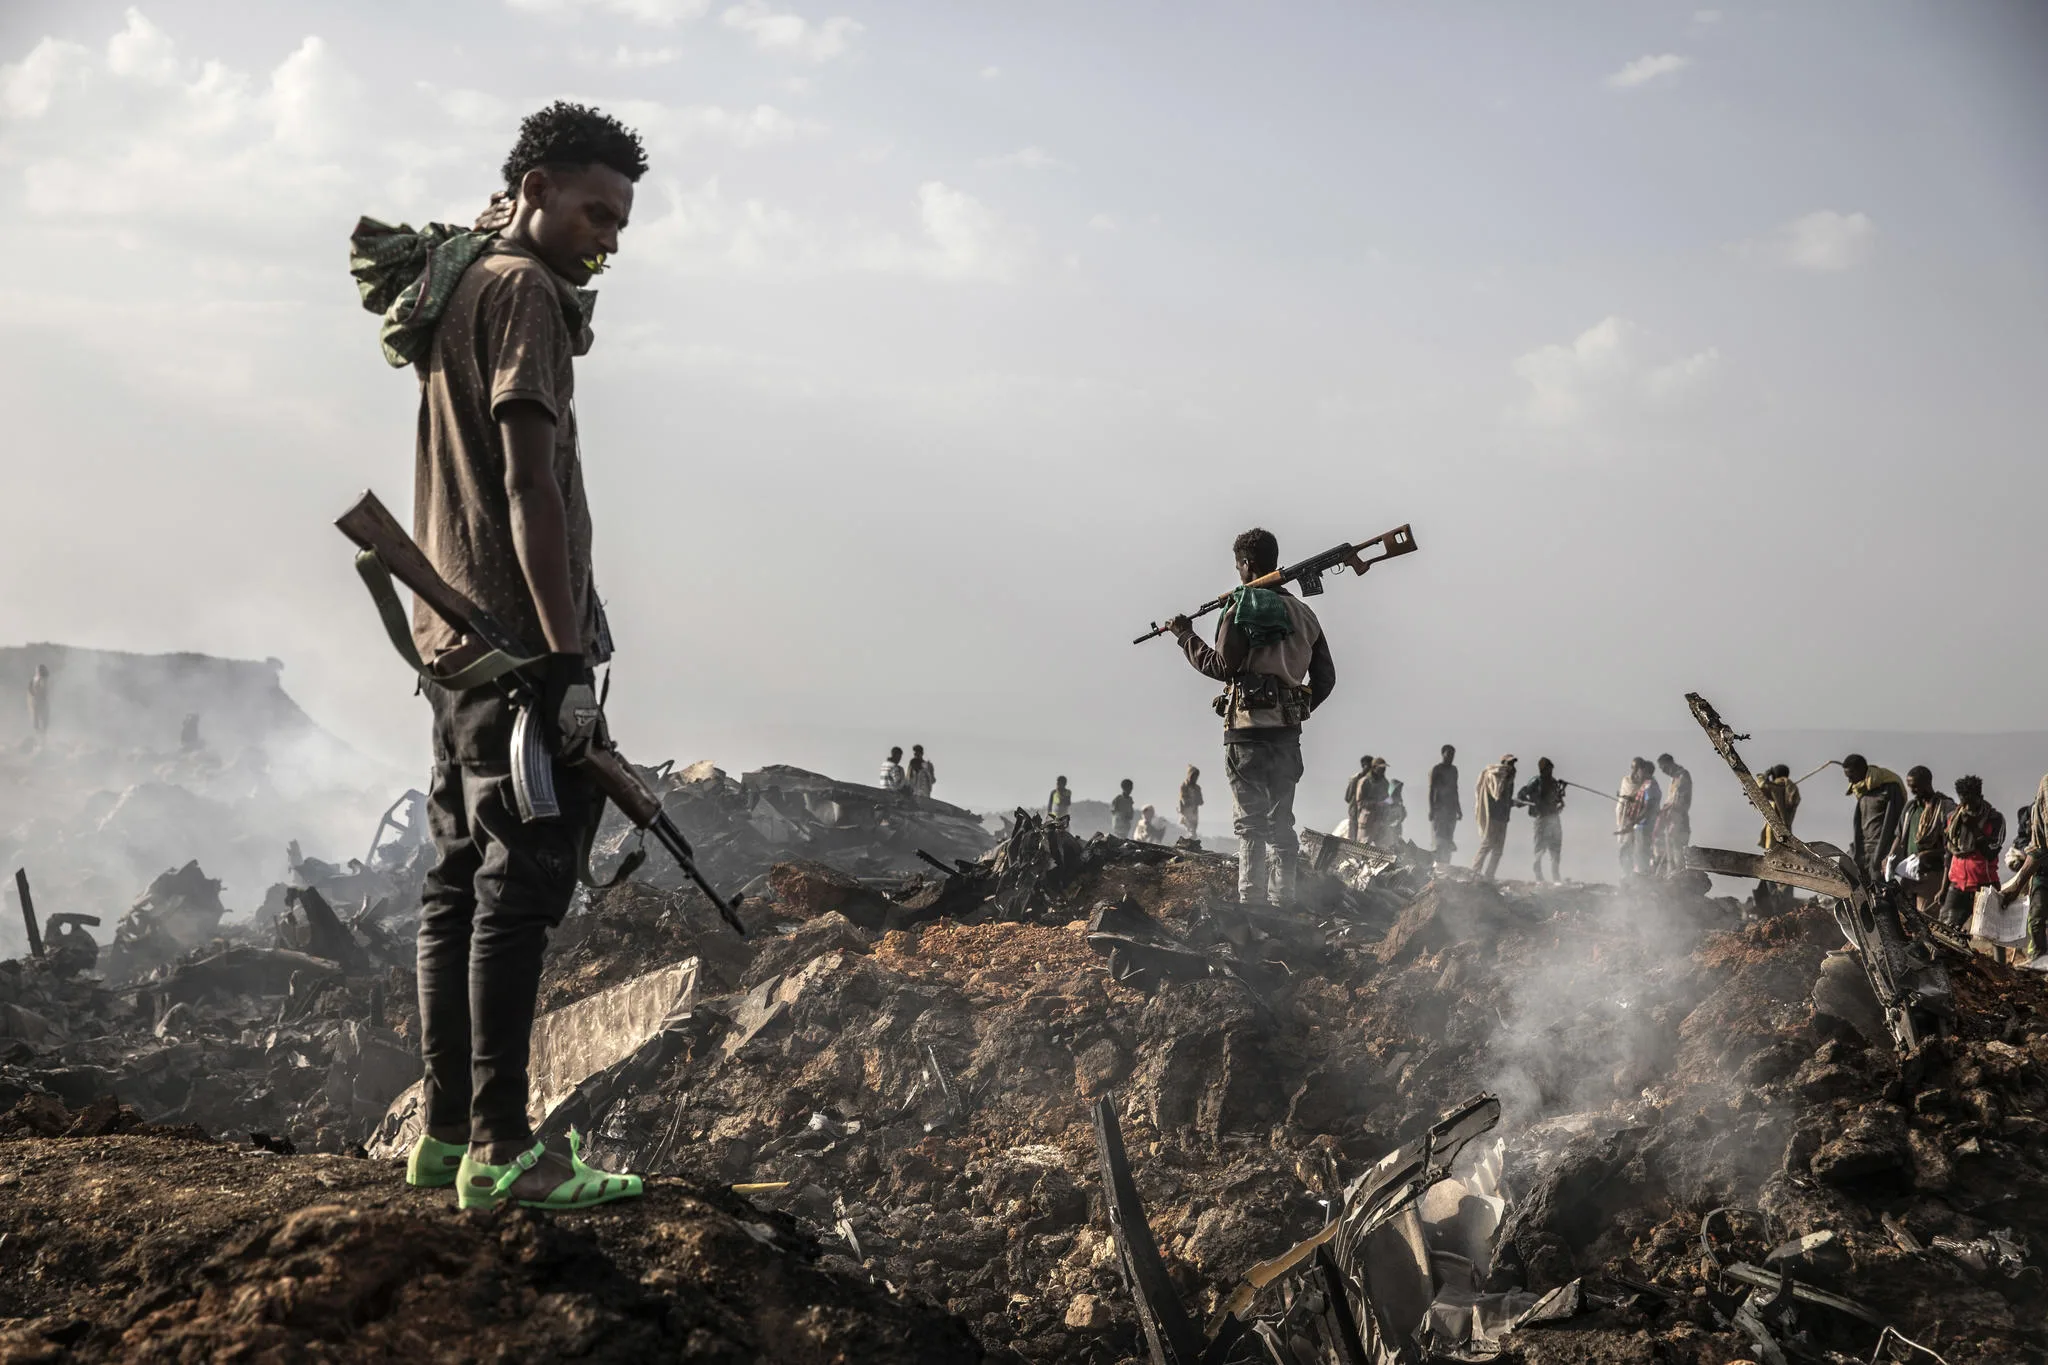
(1047,1099)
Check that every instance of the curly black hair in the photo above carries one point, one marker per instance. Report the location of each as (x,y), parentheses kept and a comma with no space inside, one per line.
(565,134)
(1259,549)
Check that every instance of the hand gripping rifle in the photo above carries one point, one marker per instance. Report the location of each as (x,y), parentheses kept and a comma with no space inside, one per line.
(1308,575)
(490,654)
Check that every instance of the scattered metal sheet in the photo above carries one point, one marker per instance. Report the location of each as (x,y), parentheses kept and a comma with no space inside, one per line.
(1171,1335)
(28,912)
(572,1046)
(583,1039)
(1756,1277)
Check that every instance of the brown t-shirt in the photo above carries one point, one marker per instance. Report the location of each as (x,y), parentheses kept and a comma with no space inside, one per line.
(510,332)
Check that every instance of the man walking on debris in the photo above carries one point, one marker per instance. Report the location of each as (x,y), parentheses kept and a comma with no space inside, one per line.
(1635,816)
(39,702)
(1395,819)
(1544,796)
(1444,808)
(1674,820)
(1060,805)
(1919,852)
(1783,794)
(1494,801)
(1880,798)
(2027,879)
(1191,803)
(1123,812)
(1975,834)
(1354,800)
(892,778)
(1381,811)
(1271,654)
(922,775)
(500,510)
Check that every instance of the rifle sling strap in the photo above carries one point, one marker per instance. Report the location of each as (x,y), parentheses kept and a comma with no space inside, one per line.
(477,673)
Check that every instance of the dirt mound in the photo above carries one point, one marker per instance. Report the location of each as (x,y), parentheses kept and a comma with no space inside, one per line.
(156,1249)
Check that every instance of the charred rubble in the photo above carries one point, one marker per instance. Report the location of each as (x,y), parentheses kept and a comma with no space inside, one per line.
(1048,1099)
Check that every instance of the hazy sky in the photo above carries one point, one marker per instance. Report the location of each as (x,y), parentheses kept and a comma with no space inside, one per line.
(951,343)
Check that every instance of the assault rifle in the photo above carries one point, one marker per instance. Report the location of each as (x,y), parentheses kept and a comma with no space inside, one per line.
(387,552)
(1308,574)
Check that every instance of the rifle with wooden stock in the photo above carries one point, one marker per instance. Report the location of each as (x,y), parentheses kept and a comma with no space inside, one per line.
(489,654)
(1308,574)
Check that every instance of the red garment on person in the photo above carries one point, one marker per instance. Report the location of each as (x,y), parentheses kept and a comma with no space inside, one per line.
(1973,872)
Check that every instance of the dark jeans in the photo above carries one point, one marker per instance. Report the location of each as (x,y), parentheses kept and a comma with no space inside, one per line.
(1263,775)
(497,889)
(1957,905)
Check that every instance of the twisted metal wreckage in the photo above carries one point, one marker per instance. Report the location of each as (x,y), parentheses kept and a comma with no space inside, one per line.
(1403,1271)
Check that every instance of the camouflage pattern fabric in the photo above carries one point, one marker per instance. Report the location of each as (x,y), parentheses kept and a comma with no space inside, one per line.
(407,278)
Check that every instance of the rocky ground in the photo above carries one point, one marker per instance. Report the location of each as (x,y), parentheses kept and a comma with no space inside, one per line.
(138,1247)
(901,1070)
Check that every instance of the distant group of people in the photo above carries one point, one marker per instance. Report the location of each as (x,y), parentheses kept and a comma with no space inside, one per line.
(1943,850)
(1129,820)
(1375,812)
(1652,826)
(917,779)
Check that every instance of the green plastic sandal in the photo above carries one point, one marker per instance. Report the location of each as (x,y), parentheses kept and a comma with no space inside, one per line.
(548,1175)
(432,1165)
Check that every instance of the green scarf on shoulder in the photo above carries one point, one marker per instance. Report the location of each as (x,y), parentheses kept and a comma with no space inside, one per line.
(1261,614)
(407,277)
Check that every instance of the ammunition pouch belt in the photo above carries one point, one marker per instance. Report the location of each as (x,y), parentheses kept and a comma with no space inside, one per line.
(1264,692)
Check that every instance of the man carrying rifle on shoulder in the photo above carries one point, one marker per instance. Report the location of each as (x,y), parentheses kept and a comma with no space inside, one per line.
(500,510)
(1271,652)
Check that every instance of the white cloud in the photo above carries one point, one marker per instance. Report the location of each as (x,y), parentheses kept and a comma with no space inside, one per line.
(640,58)
(971,242)
(1682,378)
(705,231)
(658,13)
(671,126)
(1647,68)
(1027,158)
(1103,222)
(792,33)
(989,73)
(146,138)
(755,127)
(142,50)
(28,86)
(1822,240)
(475,108)
(1603,373)
(306,91)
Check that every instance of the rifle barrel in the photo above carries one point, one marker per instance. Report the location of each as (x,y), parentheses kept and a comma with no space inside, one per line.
(1399,541)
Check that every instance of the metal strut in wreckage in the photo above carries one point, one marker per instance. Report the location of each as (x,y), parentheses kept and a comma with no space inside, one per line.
(1911,989)
(1349,1315)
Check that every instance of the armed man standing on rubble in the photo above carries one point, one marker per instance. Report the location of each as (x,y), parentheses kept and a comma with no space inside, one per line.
(500,511)
(1271,654)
